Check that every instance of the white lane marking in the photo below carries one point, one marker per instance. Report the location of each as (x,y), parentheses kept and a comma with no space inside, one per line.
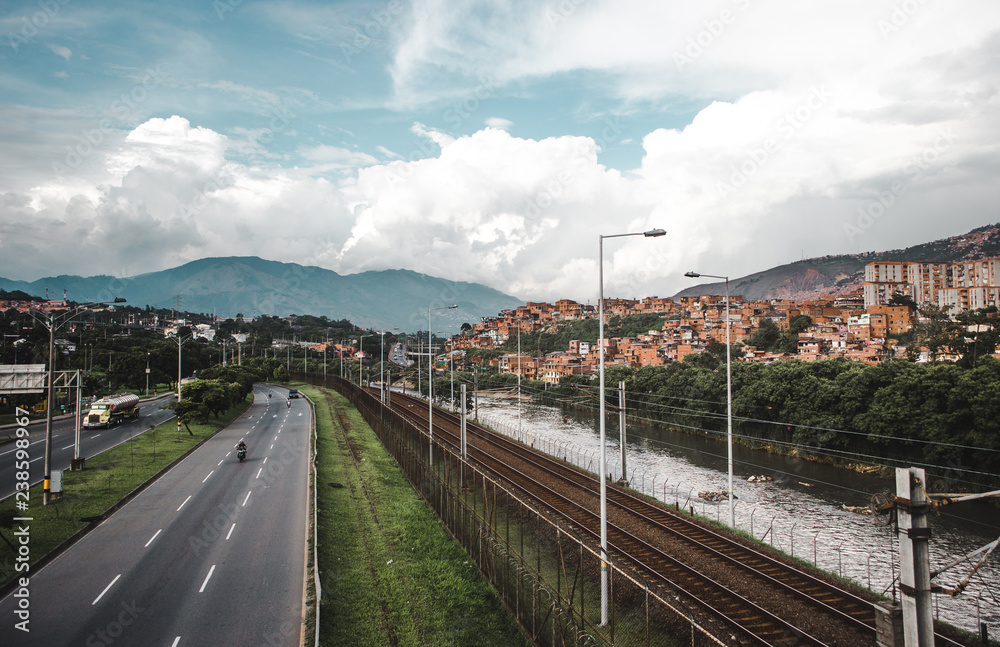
(271,447)
(220,462)
(228,453)
(95,435)
(207,578)
(258,473)
(176,640)
(245,500)
(68,446)
(276,436)
(152,538)
(105,589)
(36,459)
(209,474)
(185,501)
(230,531)
(264,461)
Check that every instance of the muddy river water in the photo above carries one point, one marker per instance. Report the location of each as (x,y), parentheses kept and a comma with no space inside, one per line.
(803,510)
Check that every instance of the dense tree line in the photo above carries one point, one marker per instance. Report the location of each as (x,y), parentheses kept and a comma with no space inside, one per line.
(219,388)
(944,415)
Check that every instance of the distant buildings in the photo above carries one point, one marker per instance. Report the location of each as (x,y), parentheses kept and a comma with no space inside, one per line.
(846,326)
(963,286)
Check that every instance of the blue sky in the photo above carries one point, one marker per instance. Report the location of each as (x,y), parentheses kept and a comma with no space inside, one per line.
(492,141)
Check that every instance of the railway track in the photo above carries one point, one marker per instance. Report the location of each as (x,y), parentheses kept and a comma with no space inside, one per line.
(825,605)
(548,480)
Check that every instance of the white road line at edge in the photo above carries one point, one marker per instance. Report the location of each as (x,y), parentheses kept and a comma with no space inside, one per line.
(185,501)
(152,538)
(207,578)
(105,590)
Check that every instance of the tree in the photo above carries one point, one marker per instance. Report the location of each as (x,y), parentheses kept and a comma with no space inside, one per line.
(900,299)
(766,337)
(936,329)
(977,335)
(189,411)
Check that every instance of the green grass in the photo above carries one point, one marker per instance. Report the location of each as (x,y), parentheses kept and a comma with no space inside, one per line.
(106,479)
(390,572)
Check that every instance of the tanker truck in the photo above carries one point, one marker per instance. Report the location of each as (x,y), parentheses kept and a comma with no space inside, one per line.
(111,410)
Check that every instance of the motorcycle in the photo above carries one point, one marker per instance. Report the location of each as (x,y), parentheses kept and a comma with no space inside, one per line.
(242,455)
(288,403)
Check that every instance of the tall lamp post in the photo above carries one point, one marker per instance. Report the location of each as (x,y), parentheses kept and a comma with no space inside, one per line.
(50,322)
(729,396)
(652,233)
(361,369)
(430,383)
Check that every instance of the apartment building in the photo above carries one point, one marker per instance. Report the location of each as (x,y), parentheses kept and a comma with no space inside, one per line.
(963,286)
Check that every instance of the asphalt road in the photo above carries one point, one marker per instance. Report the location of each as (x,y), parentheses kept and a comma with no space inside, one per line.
(213,553)
(92,441)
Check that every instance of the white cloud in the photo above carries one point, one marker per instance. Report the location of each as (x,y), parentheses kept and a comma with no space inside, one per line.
(499,122)
(818,113)
(64,52)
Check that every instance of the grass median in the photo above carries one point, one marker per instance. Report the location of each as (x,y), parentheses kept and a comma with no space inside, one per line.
(106,480)
(390,572)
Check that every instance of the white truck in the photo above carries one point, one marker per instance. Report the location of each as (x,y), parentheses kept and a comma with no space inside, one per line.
(111,410)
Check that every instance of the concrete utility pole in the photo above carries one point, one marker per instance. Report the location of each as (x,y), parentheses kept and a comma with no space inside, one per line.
(621,428)
(912,507)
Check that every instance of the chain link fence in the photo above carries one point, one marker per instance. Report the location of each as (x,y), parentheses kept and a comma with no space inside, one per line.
(544,572)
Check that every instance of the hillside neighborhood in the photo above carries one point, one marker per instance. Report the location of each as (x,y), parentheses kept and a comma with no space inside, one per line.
(862,327)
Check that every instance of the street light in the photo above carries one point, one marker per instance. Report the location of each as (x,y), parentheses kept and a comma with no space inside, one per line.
(729,396)
(381,362)
(430,384)
(361,370)
(652,233)
(53,326)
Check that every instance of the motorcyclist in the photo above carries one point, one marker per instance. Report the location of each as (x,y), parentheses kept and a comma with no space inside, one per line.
(241,446)
(268,395)
(288,403)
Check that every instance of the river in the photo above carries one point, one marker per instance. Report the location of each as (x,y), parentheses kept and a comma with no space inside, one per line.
(801,511)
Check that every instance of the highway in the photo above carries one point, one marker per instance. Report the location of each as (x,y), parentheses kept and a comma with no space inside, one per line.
(92,441)
(212,553)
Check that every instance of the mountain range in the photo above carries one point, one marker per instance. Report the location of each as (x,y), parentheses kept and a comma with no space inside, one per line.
(400,298)
(254,286)
(815,278)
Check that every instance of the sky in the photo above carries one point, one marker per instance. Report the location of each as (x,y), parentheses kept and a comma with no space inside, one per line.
(493,141)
